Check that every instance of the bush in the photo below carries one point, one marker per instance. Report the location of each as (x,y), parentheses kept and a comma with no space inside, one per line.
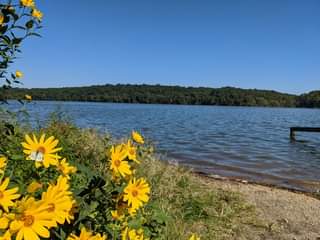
(47,195)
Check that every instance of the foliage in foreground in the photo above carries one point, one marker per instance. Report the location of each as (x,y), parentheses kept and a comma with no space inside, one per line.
(179,203)
(49,196)
(19,20)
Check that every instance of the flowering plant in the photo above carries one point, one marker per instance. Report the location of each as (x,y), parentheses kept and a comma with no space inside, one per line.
(18,21)
(43,195)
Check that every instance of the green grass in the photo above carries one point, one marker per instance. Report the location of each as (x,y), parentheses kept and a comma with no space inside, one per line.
(187,203)
(193,206)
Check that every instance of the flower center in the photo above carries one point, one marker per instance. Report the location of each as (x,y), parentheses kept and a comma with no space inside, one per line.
(1,194)
(28,220)
(61,167)
(41,150)
(117,162)
(131,151)
(51,207)
(134,193)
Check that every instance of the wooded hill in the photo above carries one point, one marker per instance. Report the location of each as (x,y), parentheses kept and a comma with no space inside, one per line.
(121,93)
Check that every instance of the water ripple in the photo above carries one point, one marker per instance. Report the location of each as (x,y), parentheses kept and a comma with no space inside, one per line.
(250,143)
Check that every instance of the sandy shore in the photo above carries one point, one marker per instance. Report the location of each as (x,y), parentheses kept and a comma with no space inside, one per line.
(285,214)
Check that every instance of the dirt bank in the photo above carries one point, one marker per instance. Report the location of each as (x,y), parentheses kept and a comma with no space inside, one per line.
(284,214)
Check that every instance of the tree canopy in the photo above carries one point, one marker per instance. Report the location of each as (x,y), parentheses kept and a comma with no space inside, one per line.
(125,93)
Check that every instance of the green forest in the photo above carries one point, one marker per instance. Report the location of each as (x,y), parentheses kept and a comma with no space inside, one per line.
(124,93)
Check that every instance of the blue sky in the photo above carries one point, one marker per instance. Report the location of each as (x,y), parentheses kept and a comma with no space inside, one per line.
(271,44)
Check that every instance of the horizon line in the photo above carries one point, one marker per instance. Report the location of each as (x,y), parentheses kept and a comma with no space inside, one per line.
(166,85)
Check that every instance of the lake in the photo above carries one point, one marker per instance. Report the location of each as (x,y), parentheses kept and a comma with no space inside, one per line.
(242,142)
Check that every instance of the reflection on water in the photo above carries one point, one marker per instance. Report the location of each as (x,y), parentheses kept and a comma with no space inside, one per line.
(251,143)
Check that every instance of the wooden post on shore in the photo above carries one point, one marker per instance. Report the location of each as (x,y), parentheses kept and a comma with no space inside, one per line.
(301,129)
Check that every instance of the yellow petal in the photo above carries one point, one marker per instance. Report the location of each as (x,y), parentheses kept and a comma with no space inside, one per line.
(19,235)
(16,225)
(28,234)
(39,229)
(4,184)
(41,141)
(28,139)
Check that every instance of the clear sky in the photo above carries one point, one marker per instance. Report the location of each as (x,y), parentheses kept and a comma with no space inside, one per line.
(265,44)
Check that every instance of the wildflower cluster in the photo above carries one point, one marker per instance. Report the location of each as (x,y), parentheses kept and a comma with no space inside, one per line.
(133,192)
(31,211)
(44,195)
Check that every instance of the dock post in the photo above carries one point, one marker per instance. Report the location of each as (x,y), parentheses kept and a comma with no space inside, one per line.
(292,134)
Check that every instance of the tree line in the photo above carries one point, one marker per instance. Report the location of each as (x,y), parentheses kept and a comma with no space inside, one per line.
(126,93)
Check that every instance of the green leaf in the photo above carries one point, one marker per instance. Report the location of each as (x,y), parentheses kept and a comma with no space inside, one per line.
(29,24)
(16,41)
(135,223)
(160,217)
(3,29)
(17,157)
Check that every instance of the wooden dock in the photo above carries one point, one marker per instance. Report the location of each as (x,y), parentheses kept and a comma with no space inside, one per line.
(293,130)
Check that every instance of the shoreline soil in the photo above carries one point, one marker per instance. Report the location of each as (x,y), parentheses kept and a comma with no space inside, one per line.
(314,192)
(286,214)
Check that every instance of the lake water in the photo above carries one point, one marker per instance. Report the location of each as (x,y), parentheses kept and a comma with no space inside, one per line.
(241,142)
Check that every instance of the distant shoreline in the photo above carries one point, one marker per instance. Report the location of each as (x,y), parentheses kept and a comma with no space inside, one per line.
(157,94)
(172,104)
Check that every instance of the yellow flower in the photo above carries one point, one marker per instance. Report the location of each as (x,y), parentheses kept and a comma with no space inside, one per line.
(65,168)
(27,3)
(1,19)
(132,211)
(136,193)
(43,152)
(132,234)
(137,137)
(86,235)
(28,97)
(5,219)
(58,200)
(3,164)
(37,14)
(6,236)
(131,151)
(194,237)
(32,220)
(118,164)
(7,196)
(72,211)
(19,74)
(23,204)
(116,215)
(34,186)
